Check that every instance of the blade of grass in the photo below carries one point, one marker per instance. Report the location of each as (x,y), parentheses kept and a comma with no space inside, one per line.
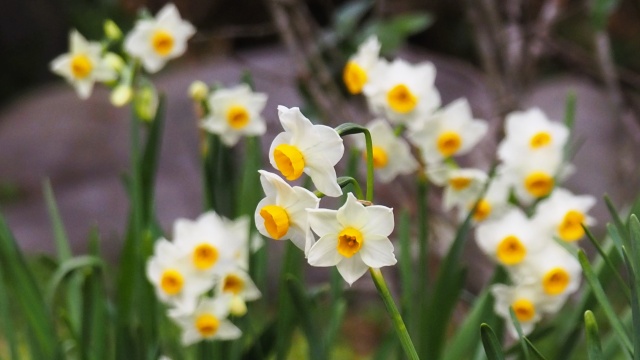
(95,320)
(600,295)
(490,342)
(67,269)
(594,350)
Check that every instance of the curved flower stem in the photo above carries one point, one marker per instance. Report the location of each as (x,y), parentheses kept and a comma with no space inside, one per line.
(392,310)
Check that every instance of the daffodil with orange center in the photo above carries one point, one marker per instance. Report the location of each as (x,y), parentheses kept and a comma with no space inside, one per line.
(175,281)
(83,65)
(235,112)
(357,71)
(157,40)
(353,238)
(207,322)
(282,214)
(402,92)
(449,132)
(307,148)
(207,241)
(510,239)
(391,154)
(563,214)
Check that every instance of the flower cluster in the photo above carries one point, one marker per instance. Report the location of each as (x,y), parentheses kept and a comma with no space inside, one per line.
(202,275)
(114,60)
(354,237)
(532,162)
(404,94)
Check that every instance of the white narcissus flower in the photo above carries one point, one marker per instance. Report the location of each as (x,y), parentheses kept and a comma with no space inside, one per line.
(391,154)
(402,92)
(157,40)
(535,177)
(304,147)
(451,131)
(528,304)
(562,215)
(493,204)
(208,242)
(236,283)
(173,277)
(354,238)
(357,70)
(509,240)
(462,186)
(208,322)
(242,240)
(83,65)
(554,271)
(282,213)
(530,131)
(235,112)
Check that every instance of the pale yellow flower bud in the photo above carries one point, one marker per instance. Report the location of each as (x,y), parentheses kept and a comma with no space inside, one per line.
(146,103)
(198,90)
(121,95)
(114,61)
(238,307)
(111,30)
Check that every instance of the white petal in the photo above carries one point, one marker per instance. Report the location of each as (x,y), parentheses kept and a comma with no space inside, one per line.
(190,336)
(324,221)
(324,252)
(377,251)
(353,213)
(324,178)
(227,331)
(352,268)
(379,221)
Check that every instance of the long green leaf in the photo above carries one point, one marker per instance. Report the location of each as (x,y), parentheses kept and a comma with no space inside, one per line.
(24,289)
(286,315)
(6,319)
(467,337)
(490,342)
(635,300)
(95,319)
(304,308)
(407,302)
(594,350)
(66,269)
(600,295)
(149,160)
(523,342)
(608,261)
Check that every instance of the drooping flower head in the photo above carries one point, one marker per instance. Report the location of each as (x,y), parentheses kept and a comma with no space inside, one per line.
(308,148)
(175,281)
(208,322)
(157,40)
(282,213)
(391,154)
(358,69)
(402,92)
(353,238)
(509,240)
(562,215)
(451,131)
(235,112)
(83,65)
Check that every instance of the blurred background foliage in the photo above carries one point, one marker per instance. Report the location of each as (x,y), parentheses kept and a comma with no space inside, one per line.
(32,32)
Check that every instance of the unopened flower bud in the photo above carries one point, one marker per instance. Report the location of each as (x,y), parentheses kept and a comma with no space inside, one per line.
(198,90)
(114,61)
(111,30)
(237,307)
(146,102)
(121,95)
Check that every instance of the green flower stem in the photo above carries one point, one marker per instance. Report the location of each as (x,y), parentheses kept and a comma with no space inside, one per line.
(367,137)
(392,310)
